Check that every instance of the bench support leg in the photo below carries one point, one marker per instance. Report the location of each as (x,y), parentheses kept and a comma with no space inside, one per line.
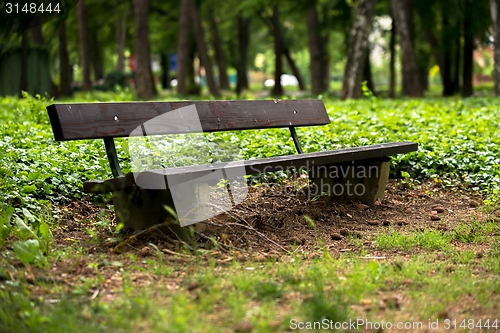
(363,180)
(139,208)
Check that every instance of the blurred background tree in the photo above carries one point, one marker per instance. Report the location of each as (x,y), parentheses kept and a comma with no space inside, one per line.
(277,47)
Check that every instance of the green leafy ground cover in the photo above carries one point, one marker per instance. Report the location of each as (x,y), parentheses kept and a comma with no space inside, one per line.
(459,143)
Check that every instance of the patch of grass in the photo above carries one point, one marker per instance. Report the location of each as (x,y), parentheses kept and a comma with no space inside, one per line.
(266,298)
(474,232)
(428,239)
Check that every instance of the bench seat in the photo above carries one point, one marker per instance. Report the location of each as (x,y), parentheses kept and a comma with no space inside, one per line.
(305,161)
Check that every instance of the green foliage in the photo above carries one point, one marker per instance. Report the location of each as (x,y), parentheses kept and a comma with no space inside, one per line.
(34,239)
(5,218)
(458,143)
(428,239)
(116,78)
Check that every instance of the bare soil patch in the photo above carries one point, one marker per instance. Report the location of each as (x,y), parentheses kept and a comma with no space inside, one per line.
(273,219)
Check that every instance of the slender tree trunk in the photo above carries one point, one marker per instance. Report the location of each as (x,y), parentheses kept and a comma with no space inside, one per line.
(65,70)
(457,58)
(495,16)
(392,61)
(165,68)
(144,81)
(367,74)
(286,53)
(183,47)
(84,46)
(202,49)
(37,36)
(467,89)
(315,50)
(278,53)
(121,33)
(244,42)
(24,64)
(412,84)
(192,87)
(357,51)
(436,52)
(219,52)
(294,68)
(36,31)
(450,56)
(96,57)
(325,62)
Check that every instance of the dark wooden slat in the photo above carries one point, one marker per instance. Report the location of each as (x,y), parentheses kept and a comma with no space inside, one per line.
(151,179)
(112,120)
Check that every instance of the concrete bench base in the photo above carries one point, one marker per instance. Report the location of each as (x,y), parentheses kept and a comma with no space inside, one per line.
(363,181)
(138,208)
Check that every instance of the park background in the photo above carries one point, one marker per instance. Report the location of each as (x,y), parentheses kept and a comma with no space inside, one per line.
(212,48)
(387,71)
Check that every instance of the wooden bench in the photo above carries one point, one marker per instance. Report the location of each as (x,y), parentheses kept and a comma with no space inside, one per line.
(139,198)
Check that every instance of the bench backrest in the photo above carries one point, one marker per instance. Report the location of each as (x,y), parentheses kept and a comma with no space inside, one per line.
(113,120)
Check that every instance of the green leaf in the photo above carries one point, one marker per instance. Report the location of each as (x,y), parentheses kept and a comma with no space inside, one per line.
(25,230)
(27,251)
(46,236)
(309,220)
(171,211)
(28,215)
(5,218)
(29,188)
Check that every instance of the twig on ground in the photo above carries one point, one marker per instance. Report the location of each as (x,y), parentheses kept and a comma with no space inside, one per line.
(223,246)
(248,227)
(176,253)
(130,240)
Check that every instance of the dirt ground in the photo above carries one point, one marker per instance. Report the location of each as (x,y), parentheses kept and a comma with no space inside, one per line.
(278,218)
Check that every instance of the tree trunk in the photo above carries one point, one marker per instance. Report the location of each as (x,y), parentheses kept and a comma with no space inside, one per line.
(202,49)
(183,48)
(219,52)
(467,89)
(165,69)
(294,68)
(84,46)
(357,51)
(456,58)
(144,81)
(392,61)
(243,43)
(436,52)
(412,84)
(367,74)
(495,16)
(24,64)
(192,87)
(121,33)
(36,31)
(313,38)
(96,57)
(278,53)
(65,70)
(325,62)
(451,56)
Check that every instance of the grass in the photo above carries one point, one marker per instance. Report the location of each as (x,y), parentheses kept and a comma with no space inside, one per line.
(265,296)
(429,239)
